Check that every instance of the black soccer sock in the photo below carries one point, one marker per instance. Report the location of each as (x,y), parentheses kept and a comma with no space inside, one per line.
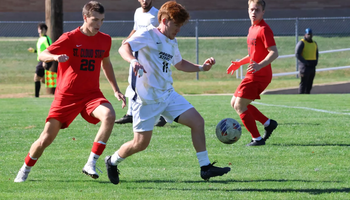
(37,88)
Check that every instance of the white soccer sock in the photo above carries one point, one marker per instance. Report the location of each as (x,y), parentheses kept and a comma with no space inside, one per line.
(25,168)
(93,158)
(116,159)
(203,158)
(257,139)
(129,112)
(267,123)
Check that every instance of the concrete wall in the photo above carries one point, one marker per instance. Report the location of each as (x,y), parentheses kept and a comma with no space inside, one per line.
(34,10)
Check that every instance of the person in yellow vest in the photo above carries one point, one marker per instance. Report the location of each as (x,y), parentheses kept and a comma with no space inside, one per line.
(44,41)
(306,51)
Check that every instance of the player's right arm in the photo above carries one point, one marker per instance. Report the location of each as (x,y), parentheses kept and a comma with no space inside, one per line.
(126,53)
(46,56)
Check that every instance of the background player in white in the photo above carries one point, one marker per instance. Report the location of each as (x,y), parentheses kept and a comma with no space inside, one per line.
(143,17)
(155,49)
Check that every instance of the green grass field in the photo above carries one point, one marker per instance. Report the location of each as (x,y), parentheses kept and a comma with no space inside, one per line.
(307,157)
(17,65)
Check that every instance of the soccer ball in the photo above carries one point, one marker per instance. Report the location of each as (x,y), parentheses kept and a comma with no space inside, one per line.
(228,131)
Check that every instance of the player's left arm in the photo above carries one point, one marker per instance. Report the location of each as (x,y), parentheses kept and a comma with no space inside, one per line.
(187,66)
(271,56)
(109,73)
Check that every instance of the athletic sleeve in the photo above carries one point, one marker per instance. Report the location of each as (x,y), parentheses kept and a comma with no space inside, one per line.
(139,40)
(177,56)
(60,46)
(106,54)
(267,37)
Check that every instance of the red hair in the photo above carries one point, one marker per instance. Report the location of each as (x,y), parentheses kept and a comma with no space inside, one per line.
(173,11)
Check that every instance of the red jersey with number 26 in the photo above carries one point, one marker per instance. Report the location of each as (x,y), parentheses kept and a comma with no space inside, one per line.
(81,73)
(260,37)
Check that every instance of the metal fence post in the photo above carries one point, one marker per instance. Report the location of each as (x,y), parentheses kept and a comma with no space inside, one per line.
(296,42)
(197,48)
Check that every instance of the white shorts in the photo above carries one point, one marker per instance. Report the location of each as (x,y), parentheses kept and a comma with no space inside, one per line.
(145,116)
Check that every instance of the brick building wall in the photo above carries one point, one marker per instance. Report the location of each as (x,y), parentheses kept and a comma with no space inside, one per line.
(33,10)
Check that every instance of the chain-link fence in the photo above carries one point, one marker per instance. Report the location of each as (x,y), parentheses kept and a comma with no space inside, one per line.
(327,26)
(290,29)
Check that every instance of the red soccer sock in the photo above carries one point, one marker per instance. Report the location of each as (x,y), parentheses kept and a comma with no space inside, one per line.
(29,161)
(257,114)
(249,122)
(98,148)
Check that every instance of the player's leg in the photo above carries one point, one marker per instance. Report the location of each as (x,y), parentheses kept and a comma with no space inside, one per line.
(195,122)
(49,133)
(38,76)
(269,124)
(181,111)
(241,107)
(106,115)
(144,118)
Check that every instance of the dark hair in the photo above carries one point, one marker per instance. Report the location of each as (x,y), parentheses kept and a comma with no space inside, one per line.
(42,26)
(259,2)
(174,11)
(93,6)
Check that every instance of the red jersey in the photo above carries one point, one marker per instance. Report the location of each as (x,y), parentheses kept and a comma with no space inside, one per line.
(81,73)
(259,38)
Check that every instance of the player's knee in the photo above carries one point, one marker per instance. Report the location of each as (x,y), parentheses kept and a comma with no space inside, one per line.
(45,141)
(141,145)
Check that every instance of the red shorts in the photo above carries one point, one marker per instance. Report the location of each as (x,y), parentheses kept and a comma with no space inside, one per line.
(249,89)
(66,108)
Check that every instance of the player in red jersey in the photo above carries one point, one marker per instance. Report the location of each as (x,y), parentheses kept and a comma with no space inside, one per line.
(81,53)
(262,51)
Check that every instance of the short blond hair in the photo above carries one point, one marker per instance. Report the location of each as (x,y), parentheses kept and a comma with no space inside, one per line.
(259,2)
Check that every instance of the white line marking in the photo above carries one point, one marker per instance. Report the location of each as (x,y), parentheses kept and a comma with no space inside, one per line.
(305,108)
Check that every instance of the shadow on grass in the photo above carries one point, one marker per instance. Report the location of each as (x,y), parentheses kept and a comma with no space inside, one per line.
(226,181)
(293,124)
(276,190)
(312,145)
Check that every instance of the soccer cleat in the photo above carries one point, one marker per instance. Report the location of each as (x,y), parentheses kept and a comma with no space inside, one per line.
(21,176)
(112,171)
(124,120)
(256,143)
(269,129)
(90,170)
(161,122)
(211,171)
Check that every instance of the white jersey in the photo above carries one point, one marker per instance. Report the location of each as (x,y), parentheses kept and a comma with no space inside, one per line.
(156,53)
(141,20)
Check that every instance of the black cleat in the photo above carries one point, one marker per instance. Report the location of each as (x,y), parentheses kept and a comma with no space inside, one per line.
(161,122)
(269,129)
(124,120)
(211,171)
(112,171)
(256,143)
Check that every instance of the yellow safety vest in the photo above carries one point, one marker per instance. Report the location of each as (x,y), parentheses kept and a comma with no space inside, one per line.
(309,51)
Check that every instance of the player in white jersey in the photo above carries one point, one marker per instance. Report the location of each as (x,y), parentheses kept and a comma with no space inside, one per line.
(143,17)
(155,50)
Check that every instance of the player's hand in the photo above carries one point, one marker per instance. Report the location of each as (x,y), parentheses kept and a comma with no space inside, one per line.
(31,50)
(138,69)
(233,67)
(120,96)
(254,67)
(62,58)
(208,63)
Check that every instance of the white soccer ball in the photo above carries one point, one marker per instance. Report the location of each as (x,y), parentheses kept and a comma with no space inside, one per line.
(228,131)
